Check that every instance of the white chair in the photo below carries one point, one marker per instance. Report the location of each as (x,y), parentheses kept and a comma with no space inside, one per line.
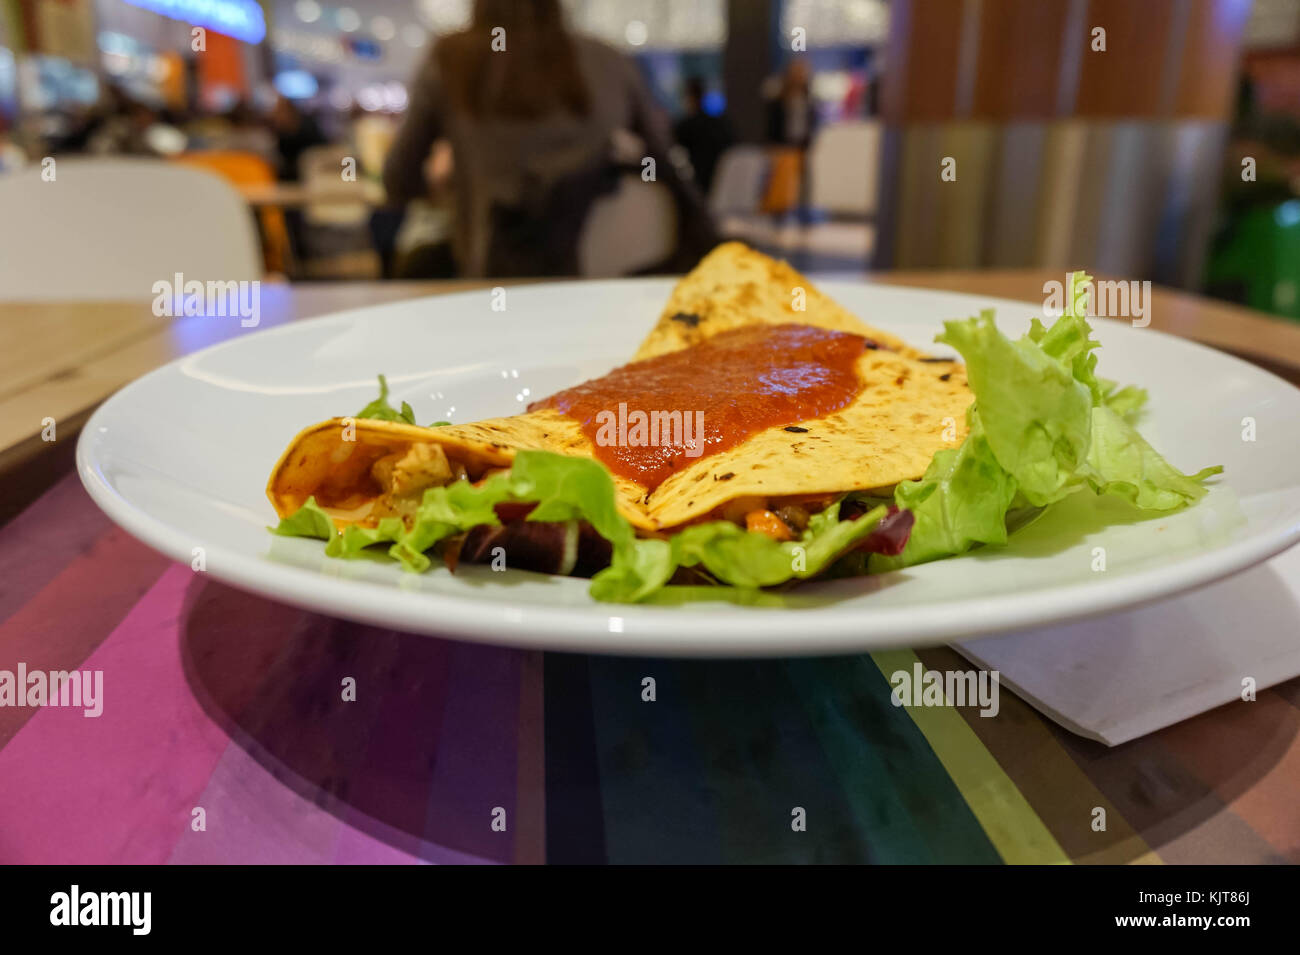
(844,168)
(736,198)
(320,169)
(739,181)
(632,229)
(108,229)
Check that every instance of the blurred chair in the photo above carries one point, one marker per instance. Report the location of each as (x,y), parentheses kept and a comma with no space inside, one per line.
(320,170)
(108,229)
(249,169)
(332,236)
(736,198)
(844,168)
(628,231)
(738,181)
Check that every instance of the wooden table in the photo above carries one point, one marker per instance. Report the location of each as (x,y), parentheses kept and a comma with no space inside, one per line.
(293,195)
(216,698)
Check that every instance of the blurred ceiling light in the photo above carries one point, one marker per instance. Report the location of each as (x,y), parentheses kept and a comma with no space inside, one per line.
(837,22)
(340,98)
(394,97)
(383,28)
(370,98)
(296,84)
(636,33)
(349,20)
(444,16)
(242,19)
(652,24)
(412,35)
(311,45)
(308,11)
(831,85)
(116,43)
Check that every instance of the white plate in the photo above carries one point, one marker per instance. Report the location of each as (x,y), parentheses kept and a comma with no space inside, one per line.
(180,459)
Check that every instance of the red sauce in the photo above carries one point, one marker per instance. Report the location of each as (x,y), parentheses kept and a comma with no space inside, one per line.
(641,418)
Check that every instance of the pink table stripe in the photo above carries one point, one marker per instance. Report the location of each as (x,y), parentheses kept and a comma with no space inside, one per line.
(40,542)
(118,788)
(59,625)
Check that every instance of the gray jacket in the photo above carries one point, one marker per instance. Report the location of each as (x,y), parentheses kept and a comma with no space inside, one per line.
(498,162)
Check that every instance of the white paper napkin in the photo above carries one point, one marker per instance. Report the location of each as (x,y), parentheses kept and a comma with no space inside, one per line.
(1118,677)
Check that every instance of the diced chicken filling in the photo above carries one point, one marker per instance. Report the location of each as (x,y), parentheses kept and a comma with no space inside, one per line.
(406,475)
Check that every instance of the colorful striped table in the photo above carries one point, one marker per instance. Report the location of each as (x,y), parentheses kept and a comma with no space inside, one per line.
(219,701)
(222,702)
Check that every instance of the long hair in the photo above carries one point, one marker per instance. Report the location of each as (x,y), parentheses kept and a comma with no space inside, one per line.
(535,75)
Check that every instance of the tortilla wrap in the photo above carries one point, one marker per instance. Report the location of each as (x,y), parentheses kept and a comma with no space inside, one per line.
(906,410)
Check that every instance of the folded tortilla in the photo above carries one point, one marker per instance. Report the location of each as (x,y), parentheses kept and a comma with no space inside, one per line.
(907,409)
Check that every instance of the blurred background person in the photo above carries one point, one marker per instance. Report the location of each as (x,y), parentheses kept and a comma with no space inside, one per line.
(705,137)
(116,125)
(791,116)
(791,113)
(295,133)
(246,131)
(532,128)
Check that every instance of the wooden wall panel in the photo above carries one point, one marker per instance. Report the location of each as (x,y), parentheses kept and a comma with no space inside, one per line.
(1207,81)
(920,80)
(1128,78)
(1019,58)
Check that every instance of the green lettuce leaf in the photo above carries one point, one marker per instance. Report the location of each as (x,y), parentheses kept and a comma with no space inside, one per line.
(308,521)
(1037,415)
(567,488)
(1043,426)
(355,539)
(961,500)
(1121,462)
(381,410)
(744,559)
(1127,402)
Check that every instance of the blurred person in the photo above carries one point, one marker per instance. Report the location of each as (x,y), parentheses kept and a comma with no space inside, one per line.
(705,138)
(791,120)
(422,246)
(245,131)
(116,125)
(295,133)
(531,129)
(791,114)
